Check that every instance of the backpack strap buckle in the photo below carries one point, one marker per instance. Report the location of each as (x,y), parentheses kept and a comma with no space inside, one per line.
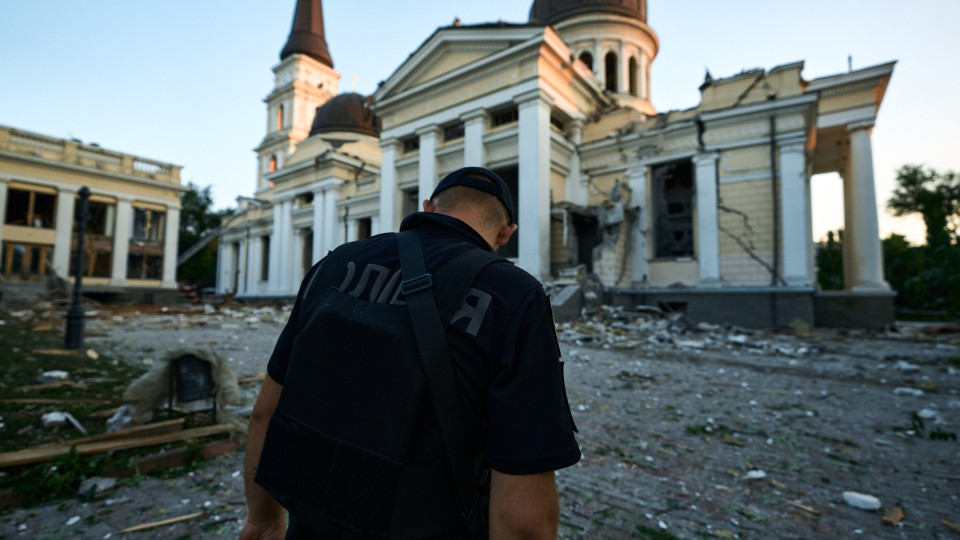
(417,284)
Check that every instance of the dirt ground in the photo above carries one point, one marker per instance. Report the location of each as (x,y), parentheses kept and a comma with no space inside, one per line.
(686,432)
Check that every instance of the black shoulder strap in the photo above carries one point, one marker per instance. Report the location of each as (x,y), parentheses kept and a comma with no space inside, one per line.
(435,355)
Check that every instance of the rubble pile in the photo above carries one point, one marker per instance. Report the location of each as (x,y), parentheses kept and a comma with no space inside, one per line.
(650,328)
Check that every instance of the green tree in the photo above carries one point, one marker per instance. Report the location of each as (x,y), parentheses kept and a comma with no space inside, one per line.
(197,221)
(935,196)
(903,267)
(830,262)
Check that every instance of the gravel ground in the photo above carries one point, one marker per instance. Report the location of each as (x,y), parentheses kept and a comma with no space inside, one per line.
(686,432)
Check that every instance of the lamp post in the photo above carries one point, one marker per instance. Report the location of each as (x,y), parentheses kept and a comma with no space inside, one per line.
(75,314)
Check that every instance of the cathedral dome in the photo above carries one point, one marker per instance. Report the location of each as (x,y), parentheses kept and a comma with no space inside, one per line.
(554,11)
(346,112)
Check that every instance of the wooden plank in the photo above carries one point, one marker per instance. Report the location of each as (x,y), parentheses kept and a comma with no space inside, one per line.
(169,521)
(243,380)
(140,431)
(46,453)
(45,401)
(805,508)
(46,386)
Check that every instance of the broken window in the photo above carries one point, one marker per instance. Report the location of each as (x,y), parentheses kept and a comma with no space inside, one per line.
(148,224)
(145,259)
(673,209)
(30,208)
(98,240)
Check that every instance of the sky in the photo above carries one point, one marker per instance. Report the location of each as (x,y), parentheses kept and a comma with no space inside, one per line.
(183,81)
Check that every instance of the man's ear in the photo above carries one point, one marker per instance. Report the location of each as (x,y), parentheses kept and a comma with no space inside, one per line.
(429,206)
(504,234)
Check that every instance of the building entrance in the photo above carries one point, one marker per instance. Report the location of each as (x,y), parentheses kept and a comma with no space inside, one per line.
(25,261)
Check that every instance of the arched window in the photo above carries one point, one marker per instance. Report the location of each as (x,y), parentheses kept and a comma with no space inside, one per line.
(280,117)
(273,164)
(633,76)
(610,70)
(587,59)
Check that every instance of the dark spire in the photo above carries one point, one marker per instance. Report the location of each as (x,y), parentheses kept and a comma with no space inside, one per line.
(306,35)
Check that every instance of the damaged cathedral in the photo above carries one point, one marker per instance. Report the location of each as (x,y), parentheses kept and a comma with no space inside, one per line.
(705,210)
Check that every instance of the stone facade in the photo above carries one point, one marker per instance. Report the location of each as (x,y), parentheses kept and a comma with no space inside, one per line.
(134,214)
(712,198)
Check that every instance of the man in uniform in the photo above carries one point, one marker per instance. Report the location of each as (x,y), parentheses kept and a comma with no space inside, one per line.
(504,353)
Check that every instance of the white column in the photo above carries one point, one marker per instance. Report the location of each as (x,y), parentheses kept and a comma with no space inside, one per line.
(374,224)
(296,261)
(170,241)
(121,242)
(794,227)
(223,267)
(637,180)
(319,248)
(623,70)
(645,75)
(3,205)
(533,190)
(251,267)
(599,70)
(66,201)
(273,265)
(428,161)
(474,123)
(389,201)
(576,187)
(812,249)
(285,248)
(351,230)
(708,224)
(330,240)
(867,257)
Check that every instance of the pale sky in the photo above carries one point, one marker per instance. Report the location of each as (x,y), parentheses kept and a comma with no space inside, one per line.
(183,81)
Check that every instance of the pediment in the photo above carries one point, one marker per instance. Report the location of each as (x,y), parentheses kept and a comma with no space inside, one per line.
(449,51)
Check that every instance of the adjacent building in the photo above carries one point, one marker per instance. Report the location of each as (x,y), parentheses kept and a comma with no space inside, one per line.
(705,210)
(130,248)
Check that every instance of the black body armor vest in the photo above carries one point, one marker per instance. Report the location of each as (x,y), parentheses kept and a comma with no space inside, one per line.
(338,448)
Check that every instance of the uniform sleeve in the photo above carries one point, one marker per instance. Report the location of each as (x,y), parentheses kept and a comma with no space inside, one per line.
(530,426)
(277,366)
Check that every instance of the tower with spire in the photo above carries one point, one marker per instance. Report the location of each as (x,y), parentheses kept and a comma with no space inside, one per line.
(303,80)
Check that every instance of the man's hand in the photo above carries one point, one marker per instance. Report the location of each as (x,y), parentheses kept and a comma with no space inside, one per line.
(266,519)
(270,531)
(523,506)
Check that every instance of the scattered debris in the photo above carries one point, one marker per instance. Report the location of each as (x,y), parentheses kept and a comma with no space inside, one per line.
(59,418)
(169,521)
(892,516)
(805,508)
(905,391)
(859,500)
(95,485)
(755,475)
(907,367)
(950,525)
(53,376)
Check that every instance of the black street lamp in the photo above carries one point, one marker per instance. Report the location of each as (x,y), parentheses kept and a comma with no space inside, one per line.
(74,339)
